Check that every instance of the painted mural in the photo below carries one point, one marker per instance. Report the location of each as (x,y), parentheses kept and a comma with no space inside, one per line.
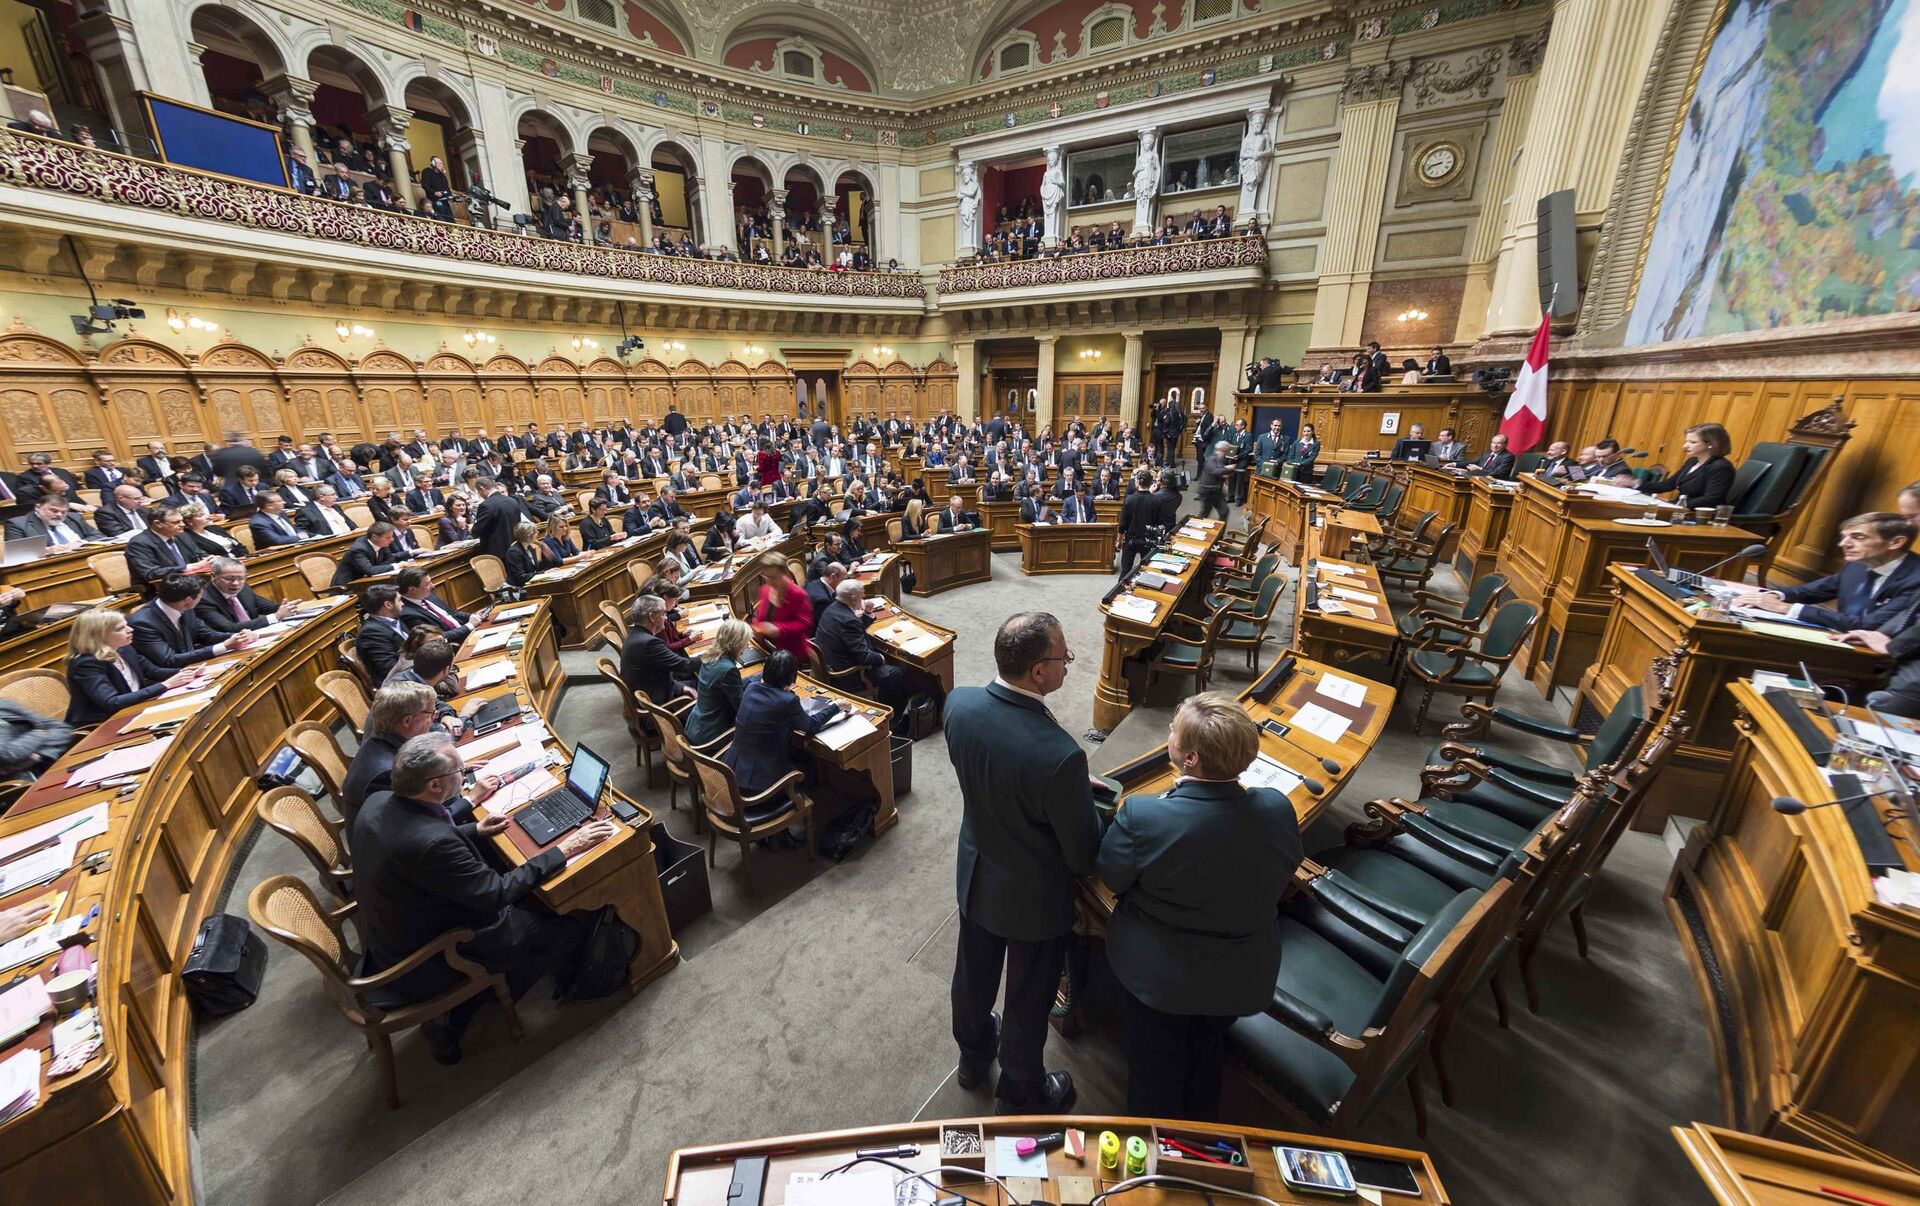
(1792,195)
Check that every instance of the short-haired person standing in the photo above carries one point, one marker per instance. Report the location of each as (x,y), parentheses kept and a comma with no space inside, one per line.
(1028,832)
(1195,936)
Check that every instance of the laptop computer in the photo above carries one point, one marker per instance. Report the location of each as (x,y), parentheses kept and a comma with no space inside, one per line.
(572,804)
(495,712)
(23,550)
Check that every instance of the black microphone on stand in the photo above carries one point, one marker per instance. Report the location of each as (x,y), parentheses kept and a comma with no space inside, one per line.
(1696,578)
(1326,764)
(1792,807)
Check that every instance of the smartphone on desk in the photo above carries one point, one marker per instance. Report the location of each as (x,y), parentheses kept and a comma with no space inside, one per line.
(1387,1176)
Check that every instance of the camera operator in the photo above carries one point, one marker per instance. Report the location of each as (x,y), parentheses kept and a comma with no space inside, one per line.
(1140,522)
(480,203)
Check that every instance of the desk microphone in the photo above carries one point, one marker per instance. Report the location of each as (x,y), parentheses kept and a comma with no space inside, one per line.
(1326,764)
(1698,578)
(1791,807)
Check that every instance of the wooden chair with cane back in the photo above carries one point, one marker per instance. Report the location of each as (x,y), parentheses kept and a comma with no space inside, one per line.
(285,907)
(318,571)
(642,574)
(646,740)
(321,752)
(673,752)
(347,656)
(748,819)
(293,814)
(350,695)
(492,573)
(111,569)
(42,692)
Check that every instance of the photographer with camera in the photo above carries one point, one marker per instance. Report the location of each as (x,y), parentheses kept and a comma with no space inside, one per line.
(480,203)
(1140,525)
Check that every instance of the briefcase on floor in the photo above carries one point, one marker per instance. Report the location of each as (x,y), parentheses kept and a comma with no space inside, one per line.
(226,966)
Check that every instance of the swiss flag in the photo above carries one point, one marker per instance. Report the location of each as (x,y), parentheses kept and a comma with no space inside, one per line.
(1526,419)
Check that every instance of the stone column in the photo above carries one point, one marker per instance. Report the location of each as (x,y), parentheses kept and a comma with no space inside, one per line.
(469,147)
(1132,376)
(390,124)
(1043,408)
(112,47)
(967,383)
(1236,349)
(777,212)
(577,168)
(1369,116)
(1483,251)
(640,183)
(293,97)
(526,186)
(1581,114)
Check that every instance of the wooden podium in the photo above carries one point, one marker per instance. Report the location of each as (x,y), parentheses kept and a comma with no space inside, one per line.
(1003,520)
(1067,548)
(1712,653)
(1489,509)
(944,562)
(1808,981)
(1556,556)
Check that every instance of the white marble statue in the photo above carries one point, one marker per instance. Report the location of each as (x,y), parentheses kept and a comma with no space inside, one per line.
(1146,180)
(1053,196)
(1256,147)
(967,234)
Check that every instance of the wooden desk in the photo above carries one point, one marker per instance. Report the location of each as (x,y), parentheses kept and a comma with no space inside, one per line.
(699,1176)
(1713,653)
(894,627)
(1449,495)
(117,1130)
(576,590)
(873,530)
(1068,548)
(1003,520)
(44,646)
(1559,544)
(620,871)
(1746,1170)
(716,581)
(879,573)
(943,562)
(1129,636)
(1361,638)
(1806,978)
(1350,424)
(1489,508)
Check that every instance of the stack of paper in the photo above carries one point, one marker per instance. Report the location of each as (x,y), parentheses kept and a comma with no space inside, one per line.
(19,1084)
(1132,607)
(40,867)
(42,942)
(127,760)
(69,830)
(845,731)
(1265,772)
(493,638)
(520,612)
(527,787)
(481,677)
(22,1007)
(1321,723)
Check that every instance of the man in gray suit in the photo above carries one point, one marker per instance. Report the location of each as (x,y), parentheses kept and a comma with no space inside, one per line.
(1195,936)
(1028,832)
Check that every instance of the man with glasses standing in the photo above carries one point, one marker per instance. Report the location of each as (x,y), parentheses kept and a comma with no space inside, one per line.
(1028,833)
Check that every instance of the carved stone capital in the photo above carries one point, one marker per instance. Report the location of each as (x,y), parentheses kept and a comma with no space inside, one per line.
(1373,82)
(777,204)
(640,182)
(292,96)
(1526,52)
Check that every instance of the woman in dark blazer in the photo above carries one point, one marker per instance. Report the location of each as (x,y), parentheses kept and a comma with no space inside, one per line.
(527,555)
(105,673)
(559,541)
(203,534)
(1706,479)
(596,530)
(457,524)
(763,727)
(719,543)
(1305,451)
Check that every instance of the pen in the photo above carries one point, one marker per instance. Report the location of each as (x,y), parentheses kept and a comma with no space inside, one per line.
(1849,1196)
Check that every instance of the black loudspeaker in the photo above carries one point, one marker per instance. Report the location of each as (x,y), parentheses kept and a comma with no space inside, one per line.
(1559,261)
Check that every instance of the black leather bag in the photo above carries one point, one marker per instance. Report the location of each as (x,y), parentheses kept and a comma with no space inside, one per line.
(919,719)
(226,966)
(600,967)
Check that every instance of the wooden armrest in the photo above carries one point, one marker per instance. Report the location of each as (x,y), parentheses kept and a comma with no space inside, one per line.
(678,705)
(713,747)
(443,945)
(1426,600)
(1442,622)
(785,781)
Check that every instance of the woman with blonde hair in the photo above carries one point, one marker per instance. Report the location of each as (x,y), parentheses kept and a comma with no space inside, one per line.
(719,683)
(911,525)
(559,541)
(526,556)
(105,673)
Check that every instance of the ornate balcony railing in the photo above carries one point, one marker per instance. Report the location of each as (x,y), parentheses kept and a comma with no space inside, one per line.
(37,162)
(1197,255)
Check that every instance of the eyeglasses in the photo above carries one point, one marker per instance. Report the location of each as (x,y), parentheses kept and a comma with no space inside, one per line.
(1068,659)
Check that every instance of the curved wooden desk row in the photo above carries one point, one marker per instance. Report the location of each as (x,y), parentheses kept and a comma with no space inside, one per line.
(1746,1170)
(1811,984)
(699,1176)
(1132,628)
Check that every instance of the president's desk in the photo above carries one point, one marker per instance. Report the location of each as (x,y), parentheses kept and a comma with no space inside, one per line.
(1067,548)
(1711,651)
(942,562)
(701,1176)
(1810,985)
(1559,546)
(1352,425)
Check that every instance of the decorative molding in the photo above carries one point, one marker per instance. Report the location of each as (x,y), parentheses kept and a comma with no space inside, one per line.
(1373,82)
(1438,80)
(1526,52)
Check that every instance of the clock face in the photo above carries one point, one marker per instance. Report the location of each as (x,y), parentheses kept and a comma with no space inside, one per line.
(1440,163)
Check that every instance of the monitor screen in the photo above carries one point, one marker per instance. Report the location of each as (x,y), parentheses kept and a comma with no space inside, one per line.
(588,774)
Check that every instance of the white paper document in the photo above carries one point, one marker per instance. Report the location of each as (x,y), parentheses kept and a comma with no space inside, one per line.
(41,942)
(843,733)
(492,638)
(1341,690)
(72,829)
(1130,607)
(1906,743)
(513,613)
(481,677)
(1265,772)
(1321,723)
(1357,596)
(19,1083)
(42,866)
(127,760)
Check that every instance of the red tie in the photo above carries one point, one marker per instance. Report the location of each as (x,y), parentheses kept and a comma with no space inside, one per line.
(239,609)
(446,621)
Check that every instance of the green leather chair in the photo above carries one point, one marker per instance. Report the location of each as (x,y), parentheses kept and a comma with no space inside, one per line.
(1410,564)
(1345,1026)
(1527,462)
(1472,668)
(1186,648)
(1248,630)
(1451,621)
(1334,476)
(1519,788)
(1237,593)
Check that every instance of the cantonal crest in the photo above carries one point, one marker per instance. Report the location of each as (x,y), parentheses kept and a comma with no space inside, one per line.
(1101,100)
(485,44)
(549,68)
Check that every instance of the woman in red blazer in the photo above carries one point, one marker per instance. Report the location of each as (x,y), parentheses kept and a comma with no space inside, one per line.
(783,615)
(766,464)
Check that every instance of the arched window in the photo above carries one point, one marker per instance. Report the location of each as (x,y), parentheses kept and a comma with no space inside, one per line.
(1019,52)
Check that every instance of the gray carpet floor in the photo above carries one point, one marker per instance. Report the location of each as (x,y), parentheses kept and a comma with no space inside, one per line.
(821,1001)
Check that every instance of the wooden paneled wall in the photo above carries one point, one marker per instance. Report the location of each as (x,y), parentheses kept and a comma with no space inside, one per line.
(54,400)
(1882,456)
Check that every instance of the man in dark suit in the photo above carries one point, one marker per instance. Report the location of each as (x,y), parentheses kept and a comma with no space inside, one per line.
(1879,581)
(956,518)
(270,523)
(159,551)
(49,518)
(167,632)
(1028,833)
(1139,513)
(1559,462)
(1401,451)
(418,874)
(345,480)
(1449,449)
(425,497)
(1497,462)
(667,507)
(399,713)
(613,490)
(821,588)
(419,605)
(1438,365)
(647,664)
(366,556)
(841,634)
(493,523)
(104,474)
(120,513)
(1195,937)
(1077,508)
(228,605)
(157,465)
(323,516)
(382,633)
